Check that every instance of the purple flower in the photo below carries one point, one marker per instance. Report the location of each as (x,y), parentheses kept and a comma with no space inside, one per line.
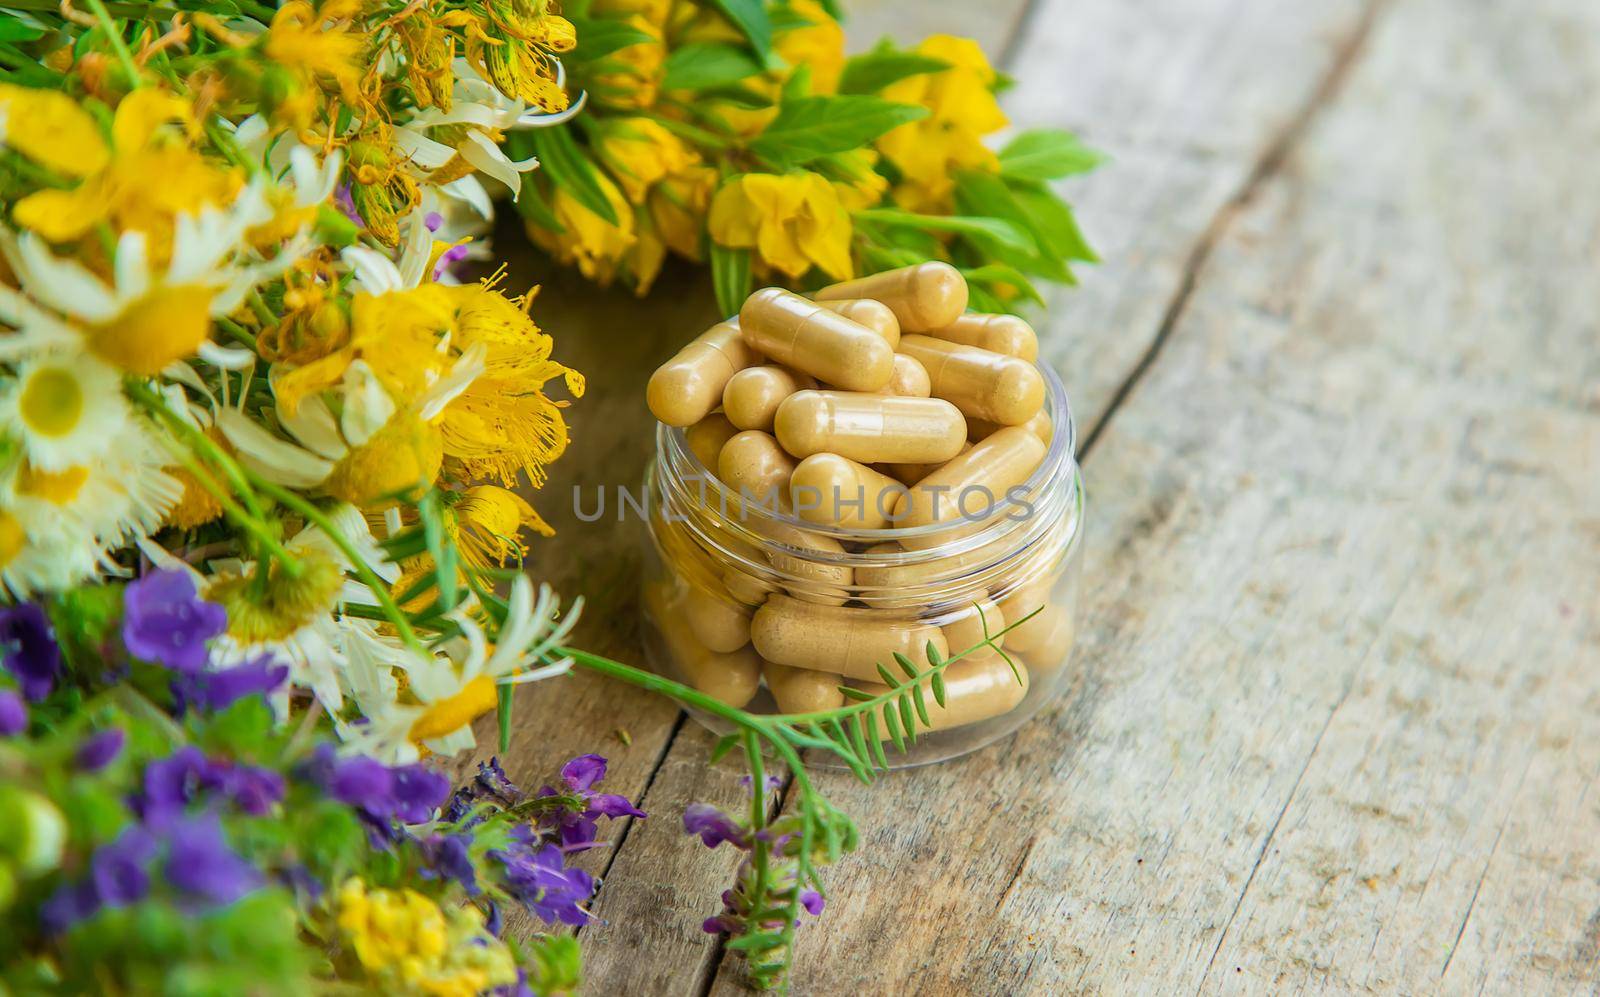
(171,783)
(67,906)
(448,857)
(408,793)
(213,691)
(31,654)
(449,258)
(201,864)
(347,204)
(253,790)
(575,820)
(713,826)
(812,901)
(433,221)
(771,782)
(494,781)
(543,885)
(417,791)
(13,714)
(120,870)
(165,620)
(100,749)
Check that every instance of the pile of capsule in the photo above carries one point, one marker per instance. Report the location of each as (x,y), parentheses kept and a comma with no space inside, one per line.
(880,404)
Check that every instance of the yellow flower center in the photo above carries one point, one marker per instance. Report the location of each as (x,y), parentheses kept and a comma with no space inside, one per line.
(12,538)
(52,402)
(167,324)
(448,715)
(57,487)
(405,454)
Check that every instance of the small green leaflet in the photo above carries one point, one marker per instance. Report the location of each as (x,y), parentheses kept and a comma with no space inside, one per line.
(750,17)
(816,126)
(707,64)
(1047,154)
(730,277)
(987,230)
(1054,220)
(603,36)
(568,168)
(872,71)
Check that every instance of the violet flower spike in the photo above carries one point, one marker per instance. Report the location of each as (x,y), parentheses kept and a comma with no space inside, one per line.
(99,750)
(202,864)
(713,826)
(13,714)
(165,621)
(31,653)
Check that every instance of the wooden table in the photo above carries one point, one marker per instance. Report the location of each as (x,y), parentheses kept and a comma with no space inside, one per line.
(1336,719)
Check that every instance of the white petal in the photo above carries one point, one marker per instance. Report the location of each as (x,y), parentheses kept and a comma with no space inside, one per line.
(423,151)
(314,425)
(467,368)
(367,406)
(226,357)
(132,266)
(471,191)
(63,284)
(485,156)
(279,461)
(375,272)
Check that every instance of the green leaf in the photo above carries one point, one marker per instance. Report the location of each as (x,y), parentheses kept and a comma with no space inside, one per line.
(855,694)
(888,677)
(750,17)
(906,665)
(922,706)
(872,71)
(599,37)
(1003,274)
(567,167)
(13,30)
(724,745)
(730,277)
(707,64)
(816,126)
(990,230)
(875,742)
(891,723)
(1053,218)
(935,656)
(907,721)
(1047,154)
(858,742)
(503,709)
(937,683)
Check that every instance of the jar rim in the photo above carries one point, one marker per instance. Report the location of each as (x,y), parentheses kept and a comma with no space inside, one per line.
(1060,461)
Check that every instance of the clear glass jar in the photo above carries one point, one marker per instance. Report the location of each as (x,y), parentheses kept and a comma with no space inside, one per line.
(726,579)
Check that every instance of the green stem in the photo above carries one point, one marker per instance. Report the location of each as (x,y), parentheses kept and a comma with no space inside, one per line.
(152,400)
(258,532)
(118,43)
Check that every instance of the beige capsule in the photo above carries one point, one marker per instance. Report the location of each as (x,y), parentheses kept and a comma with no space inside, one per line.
(807,562)
(875,315)
(973,691)
(1039,426)
(996,333)
(706,437)
(802,690)
(755,468)
(686,388)
(910,474)
(749,589)
(967,630)
(870,428)
(982,384)
(730,678)
(716,621)
(752,396)
(1032,613)
(1050,649)
(896,584)
(973,484)
(910,378)
(922,296)
(843,639)
(803,335)
(836,491)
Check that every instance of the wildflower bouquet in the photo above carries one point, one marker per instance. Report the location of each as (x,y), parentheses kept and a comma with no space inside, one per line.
(739,134)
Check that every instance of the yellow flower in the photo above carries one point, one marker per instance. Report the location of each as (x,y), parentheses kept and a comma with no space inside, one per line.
(792,222)
(595,245)
(407,945)
(302,41)
(678,207)
(516,67)
(962,109)
(488,520)
(818,45)
(150,174)
(403,456)
(51,129)
(639,152)
(858,185)
(636,80)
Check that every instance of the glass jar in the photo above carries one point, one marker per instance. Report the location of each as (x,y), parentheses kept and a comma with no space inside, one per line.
(764,610)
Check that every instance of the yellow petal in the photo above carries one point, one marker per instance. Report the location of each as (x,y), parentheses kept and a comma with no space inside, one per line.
(62,215)
(51,129)
(144,111)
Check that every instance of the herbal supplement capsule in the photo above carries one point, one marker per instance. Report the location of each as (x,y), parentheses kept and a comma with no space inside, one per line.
(967,630)
(996,333)
(870,428)
(801,690)
(752,396)
(922,296)
(719,623)
(706,437)
(973,484)
(973,691)
(983,385)
(800,333)
(730,678)
(836,491)
(686,388)
(910,474)
(755,468)
(1029,608)
(875,315)
(1048,650)
(745,587)
(843,639)
(910,378)
(1039,426)
(816,578)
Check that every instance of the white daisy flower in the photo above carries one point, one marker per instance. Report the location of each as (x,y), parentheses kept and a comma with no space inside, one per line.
(66,409)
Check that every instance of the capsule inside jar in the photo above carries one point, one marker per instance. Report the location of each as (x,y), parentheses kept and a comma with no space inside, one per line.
(973,691)
(1006,334)
(805,336)
(850,641)
(752,396)
(802,690)
(982,384)
(875,315)
(870,428)
(731,678)
(828,489)
(706,437)
(972,485)
(923,296)
(687,387)
(756,468)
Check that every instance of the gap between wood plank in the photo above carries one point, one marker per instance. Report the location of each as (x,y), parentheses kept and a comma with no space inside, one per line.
(1267,167)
